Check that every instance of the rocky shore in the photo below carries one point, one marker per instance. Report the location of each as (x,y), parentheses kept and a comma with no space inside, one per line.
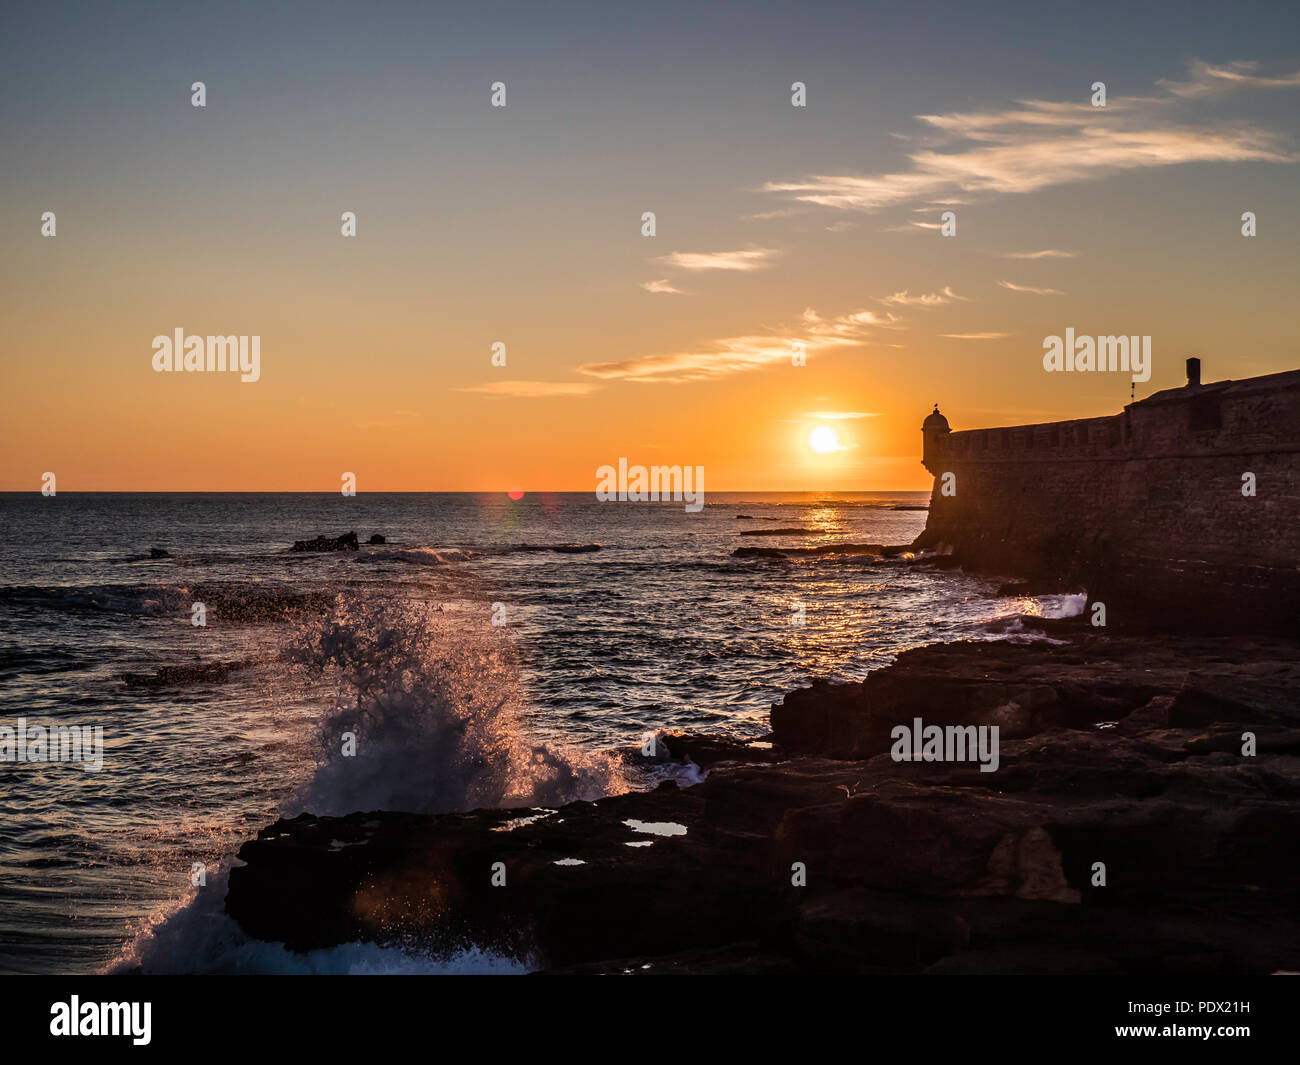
(1124,830)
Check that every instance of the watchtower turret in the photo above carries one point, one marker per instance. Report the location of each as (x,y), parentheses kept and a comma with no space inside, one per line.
(934,436)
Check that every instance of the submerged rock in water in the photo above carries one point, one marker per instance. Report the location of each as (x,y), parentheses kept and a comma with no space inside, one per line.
(820,550)
(346,542)
(376,539)
(177,676)
(790,531)
(159,552)
(759,552)
(1016,589)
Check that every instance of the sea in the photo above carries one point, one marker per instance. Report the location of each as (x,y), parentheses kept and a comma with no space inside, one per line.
(492,651)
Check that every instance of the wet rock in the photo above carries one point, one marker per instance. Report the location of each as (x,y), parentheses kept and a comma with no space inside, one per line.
(776,532)
(1092,679)
(1014,589)
(183,675)
(758,552)
(824,855)
(346,542)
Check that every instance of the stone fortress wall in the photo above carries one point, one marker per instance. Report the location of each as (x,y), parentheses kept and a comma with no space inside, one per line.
(1144,508)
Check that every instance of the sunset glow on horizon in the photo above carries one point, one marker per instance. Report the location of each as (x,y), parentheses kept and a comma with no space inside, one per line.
(779,231)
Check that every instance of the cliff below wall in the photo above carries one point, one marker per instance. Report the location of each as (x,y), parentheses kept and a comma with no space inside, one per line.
(1146,509)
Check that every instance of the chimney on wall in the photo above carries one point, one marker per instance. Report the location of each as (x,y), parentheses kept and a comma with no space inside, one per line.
(1193,372)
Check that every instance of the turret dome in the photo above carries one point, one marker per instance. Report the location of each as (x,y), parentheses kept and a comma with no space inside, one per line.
(935,421)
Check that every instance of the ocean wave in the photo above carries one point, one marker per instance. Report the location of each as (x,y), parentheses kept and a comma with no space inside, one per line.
(196,936)
(425,719)
(436,717)
(1011,628)
(419,556)
(838,552)
(230,601)
(843,504)
(1008,620)
(15,659)
(445,556)
(1068,605)
(148,599)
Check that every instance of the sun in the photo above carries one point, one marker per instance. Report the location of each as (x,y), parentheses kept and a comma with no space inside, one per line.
(824,440)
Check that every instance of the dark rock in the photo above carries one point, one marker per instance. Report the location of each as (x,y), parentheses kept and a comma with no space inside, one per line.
(376,538)
(940,561)
(236,602)
(708,751)
(1036,588)
(910,866)
(759,552)
(1256,694)
(747,959)
(346,542)
(841,549)
(159,552)
(179,676)
(775,532)
(1093,679)
(819,551)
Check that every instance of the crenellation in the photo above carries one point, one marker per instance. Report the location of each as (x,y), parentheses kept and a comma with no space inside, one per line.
(1145,507)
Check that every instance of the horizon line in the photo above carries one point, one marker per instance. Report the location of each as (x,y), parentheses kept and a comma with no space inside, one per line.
(437,491)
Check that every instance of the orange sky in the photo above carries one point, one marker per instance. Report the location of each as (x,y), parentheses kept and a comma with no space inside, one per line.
(774,225)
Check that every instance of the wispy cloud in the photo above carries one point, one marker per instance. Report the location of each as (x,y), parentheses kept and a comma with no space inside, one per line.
(746,259)
(974,336)
(1030,289)
(1209,80)
(1046,253)
(852,324)
(780,212)
(533,389)
(663,286)
(912,227)
(1037,144)
(930,299)
(743,354)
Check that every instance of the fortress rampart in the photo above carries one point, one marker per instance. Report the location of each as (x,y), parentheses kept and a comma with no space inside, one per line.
(1145,509)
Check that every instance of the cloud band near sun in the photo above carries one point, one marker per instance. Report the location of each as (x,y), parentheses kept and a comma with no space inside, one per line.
(743,354)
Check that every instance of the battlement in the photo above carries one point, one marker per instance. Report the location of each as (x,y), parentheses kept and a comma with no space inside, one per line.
(1223,418)
(1190,496)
